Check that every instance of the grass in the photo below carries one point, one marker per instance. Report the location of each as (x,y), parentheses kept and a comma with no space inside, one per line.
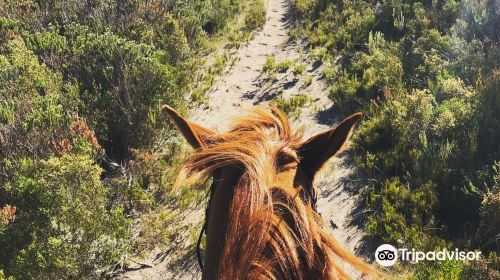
(308,79)
(292,105)
(298,69)
(331,73)
(238,29)
(271,66)
(284,65)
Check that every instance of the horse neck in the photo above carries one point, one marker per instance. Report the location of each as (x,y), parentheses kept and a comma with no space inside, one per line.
(323,267)
(217,220)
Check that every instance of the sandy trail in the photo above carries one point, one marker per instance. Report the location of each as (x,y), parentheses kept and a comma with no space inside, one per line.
(244,86)
(233,90)
(241,86)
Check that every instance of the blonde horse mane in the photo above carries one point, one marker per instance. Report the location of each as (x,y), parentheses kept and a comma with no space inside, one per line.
(273,232)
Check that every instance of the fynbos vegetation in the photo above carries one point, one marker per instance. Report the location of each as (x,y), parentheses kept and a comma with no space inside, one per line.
(83,145)
(426,75)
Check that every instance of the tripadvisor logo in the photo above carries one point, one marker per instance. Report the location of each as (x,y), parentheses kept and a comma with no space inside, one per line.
(388,255)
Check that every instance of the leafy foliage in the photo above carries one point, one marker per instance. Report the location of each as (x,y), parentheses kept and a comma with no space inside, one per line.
(256,16)
(426,74)
(83,142)
(403,212)
(293,104)
(63,220)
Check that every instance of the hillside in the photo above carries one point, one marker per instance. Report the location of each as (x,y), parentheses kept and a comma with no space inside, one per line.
(88,160)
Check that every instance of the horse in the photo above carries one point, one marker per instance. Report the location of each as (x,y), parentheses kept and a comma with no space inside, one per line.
(262,222)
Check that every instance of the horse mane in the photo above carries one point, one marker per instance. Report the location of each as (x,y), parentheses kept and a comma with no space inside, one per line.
(283,237)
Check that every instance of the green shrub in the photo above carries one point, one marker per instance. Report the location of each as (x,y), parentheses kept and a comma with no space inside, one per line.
(343,92)
(170,36)
(484,269)
(321,54)
(426,75)
(256,16)
(488,137)
(308,80)
(269,65)
(298,69)
(81,89)
(301,8)
(487,232)
(2,276)
(449,269)
(34,103)
(119,98)
(64,217)
(381,69)
(293,104)
(284,65)
(331,74)
(401,213)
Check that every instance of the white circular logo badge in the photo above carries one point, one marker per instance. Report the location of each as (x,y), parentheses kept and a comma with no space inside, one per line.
(386,255)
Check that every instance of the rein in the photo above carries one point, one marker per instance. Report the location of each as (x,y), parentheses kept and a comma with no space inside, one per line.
(311,191)
(216,178)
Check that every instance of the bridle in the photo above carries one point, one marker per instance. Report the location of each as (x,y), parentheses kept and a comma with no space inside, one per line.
(311,191)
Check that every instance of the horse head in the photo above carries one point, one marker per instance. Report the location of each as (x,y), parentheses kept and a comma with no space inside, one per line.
(262,222)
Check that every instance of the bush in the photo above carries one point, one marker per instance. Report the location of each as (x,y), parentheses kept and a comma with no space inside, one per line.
(64,217)
(345,89)
(484,269)
(34,104)
(381,70)
(293,104)
(401,213)
(256,16)
(301,8)
(123,113)
(84,142)
(426,75)
(382,73)
(284,65)
(487,232)
(269,65)
(449,269)
(488,118)
(298,69)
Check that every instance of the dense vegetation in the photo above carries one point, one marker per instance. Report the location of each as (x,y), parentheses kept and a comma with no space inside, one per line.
(83,146)
(84,150)
(426,73)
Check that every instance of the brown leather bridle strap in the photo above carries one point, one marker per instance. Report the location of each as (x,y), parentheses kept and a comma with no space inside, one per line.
(215,180)
(311,191)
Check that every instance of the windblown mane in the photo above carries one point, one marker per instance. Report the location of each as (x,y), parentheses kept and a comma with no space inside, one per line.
(273,232)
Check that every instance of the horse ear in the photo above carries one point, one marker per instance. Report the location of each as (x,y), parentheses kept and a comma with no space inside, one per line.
(318,149)
(196,135)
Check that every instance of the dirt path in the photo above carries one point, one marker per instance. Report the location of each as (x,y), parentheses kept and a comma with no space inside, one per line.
(234,89)
(243,85)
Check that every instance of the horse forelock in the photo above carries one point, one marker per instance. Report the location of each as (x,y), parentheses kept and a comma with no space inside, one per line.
(250,144)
